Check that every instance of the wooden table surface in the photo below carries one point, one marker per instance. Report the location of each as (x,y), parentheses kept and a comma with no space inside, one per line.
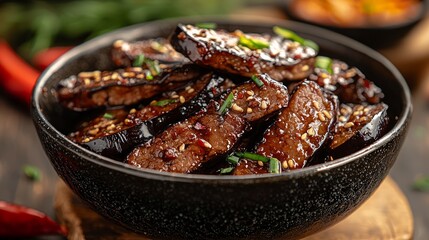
(19,144)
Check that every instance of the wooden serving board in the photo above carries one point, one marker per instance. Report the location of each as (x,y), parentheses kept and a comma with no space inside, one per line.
(386,215)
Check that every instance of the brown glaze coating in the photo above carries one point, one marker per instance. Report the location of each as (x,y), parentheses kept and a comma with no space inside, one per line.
(102,126)
(348,83)
(282,60)
(120,87)
(186,145)
(357,126)
(300,130)
(124,53)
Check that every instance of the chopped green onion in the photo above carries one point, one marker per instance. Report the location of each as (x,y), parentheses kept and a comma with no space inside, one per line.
(421,184)
(324,63)
(206,25)
(252,156)
(138,62)
(32,173)
(108,116)
(275,166)
(226,104)
(252,43)
(149,76)
(153,66)
(295,37)
(233,159)
(258,81)
(164,102)
(226,170)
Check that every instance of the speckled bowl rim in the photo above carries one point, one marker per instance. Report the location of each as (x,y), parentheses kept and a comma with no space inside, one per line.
(216,179)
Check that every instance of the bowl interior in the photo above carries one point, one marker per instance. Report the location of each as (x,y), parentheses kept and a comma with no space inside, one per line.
(95,54)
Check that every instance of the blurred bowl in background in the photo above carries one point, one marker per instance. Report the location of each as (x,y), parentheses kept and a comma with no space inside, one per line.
(378,24)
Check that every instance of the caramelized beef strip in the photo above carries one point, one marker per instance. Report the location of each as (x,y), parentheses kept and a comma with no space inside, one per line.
(124,53)
(348,83)
(358,126)
(186,145)
(141,125)
(126,86)
(300,130)
(282,60)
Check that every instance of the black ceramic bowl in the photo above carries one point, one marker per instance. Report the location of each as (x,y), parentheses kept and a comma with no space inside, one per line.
(166,205)
(374,36)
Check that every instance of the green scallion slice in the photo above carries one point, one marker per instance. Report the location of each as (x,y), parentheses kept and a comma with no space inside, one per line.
(32,173)
(324,63)
(295,37)
(226,170)
(258,81)
(252,43)
(138,62)
(421,184)
(233,159)
(153,66)
(108,116)
(275,166)
(164,102)
(206,25)
(149,76)
(252,156)
(226,104)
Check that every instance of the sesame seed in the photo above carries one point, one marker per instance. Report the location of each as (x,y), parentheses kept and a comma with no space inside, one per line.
(133,111)
(175,96)
(250,93)
(114,76)
(137,69)
(360,108)
(349,124)
(181,99)
(153,102)
(305,68)
(321,117)
(285,165)
(125,74)
(362,119)
(118,43)
(250,98)
(324,75)
(260,163)
(182,147)
(316,105)
(87,81)
(342,119)
(110,127)
(237,108)
(187,88)
(86,140)
(264,104)
(128,121)
(365,109)
(191,90)
(93,131)
(249,110)
(327,114)
(291,163)
(106,78)
(140,76)
(344,111)
(356,113)
(206,144)
(304,136)
(310,131)
(331,158)
(86,74)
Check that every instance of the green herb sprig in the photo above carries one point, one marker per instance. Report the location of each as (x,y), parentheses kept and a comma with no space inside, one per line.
(324,63)
(252,43)
(226,104)
(33,173)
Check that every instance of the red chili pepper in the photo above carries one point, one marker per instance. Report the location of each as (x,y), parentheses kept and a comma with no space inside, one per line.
(19,221)
(16,76)
(45,57)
